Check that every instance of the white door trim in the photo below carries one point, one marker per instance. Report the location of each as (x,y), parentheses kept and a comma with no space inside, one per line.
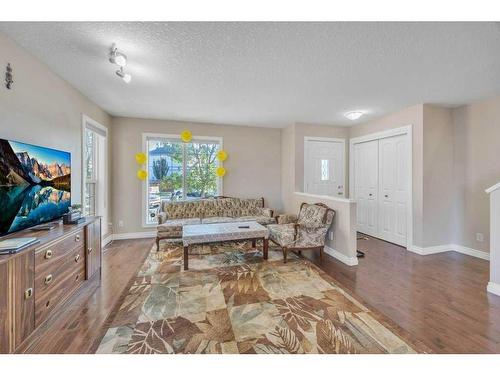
(404,130)
(86,120)
(342,141)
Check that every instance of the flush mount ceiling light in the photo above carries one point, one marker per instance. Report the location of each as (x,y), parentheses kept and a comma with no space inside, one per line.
(125,76)
(117,58)
(353,115)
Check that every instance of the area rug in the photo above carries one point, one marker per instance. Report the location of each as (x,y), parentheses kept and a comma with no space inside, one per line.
(232,301)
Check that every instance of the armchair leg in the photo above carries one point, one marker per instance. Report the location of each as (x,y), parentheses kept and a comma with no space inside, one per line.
(321,253)
(285,253)
(157,243)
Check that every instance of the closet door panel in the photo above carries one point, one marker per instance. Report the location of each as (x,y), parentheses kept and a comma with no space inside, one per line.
(393,186)
(359,187)
(366,186)
(371,173)
(386,188)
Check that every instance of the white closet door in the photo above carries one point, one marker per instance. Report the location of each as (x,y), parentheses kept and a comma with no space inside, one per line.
(366,186)
(324,167)
(393,189)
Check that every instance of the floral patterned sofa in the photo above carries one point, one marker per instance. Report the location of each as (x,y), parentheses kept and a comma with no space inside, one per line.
(172,216)
(305,231)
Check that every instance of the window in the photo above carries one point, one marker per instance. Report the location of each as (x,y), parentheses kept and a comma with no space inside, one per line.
(179,171)
(90,155)
(324,170)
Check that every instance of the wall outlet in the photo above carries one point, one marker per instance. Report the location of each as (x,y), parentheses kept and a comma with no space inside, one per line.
(120,223)
(479,237)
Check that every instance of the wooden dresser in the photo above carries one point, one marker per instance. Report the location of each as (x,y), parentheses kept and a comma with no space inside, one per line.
(36,281)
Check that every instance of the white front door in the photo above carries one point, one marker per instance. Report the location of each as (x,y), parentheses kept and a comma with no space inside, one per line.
(324,167)
(393,189)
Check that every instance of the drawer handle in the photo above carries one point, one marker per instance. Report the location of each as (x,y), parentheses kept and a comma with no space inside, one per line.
(77,238)
(48,279)
(28,293)
(48,254)
(77,258)
(90,250)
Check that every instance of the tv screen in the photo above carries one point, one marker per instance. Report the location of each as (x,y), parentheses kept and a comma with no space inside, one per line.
(35,185)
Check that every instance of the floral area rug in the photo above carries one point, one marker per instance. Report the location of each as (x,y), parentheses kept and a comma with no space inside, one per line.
(232,301)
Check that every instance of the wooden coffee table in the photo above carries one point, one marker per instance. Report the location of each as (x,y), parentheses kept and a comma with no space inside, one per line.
(224,232)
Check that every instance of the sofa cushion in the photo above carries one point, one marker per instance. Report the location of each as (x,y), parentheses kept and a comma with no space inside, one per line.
(184,209)
(311,215)
(217,219)
(172,225)
(261,219)
(282,234)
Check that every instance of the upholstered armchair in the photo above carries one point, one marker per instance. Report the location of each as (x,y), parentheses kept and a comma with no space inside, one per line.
(305,231)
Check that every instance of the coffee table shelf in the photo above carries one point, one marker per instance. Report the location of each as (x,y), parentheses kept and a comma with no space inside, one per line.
(199,234)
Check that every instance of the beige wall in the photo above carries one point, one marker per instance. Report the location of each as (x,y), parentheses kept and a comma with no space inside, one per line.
(439,193)
(287,168)
(253,166)
(43,109)
(477,167)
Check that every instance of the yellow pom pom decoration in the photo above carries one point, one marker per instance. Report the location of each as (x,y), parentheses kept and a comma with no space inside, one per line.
(222,155)
(186,136)
(140,158)
(142,174)
(220,172)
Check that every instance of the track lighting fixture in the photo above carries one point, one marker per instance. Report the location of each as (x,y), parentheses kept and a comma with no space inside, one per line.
(125,76)
(117,58)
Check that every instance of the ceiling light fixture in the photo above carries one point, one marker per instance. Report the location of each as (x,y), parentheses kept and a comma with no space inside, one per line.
(353,115)
(117,58)
(125,76)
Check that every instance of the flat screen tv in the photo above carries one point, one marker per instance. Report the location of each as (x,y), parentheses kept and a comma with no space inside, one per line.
(35,185)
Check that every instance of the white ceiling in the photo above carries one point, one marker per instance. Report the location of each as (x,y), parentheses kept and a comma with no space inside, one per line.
(270,74)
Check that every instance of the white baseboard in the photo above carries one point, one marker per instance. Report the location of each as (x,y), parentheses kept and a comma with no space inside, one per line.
(472,252)
(451,247)
(431,249)
(134,235)
(493,288)
(350,261)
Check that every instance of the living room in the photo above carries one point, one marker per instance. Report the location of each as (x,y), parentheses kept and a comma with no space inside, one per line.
(249,187)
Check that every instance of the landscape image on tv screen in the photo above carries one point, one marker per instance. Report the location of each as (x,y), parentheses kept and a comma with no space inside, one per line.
(35,185)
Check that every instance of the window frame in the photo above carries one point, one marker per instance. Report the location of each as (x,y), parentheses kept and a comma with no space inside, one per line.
(146,137)
(93,179)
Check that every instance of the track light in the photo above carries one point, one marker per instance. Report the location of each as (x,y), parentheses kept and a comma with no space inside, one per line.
(117,58)
(125,76)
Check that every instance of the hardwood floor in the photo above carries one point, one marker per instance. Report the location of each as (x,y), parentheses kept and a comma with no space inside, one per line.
(439,299)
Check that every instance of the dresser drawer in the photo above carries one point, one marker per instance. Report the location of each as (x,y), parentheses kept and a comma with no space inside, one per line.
(58,281)
(51,254)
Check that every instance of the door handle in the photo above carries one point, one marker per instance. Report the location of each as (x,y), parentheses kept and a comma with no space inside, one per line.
(370,195)
(386,196)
